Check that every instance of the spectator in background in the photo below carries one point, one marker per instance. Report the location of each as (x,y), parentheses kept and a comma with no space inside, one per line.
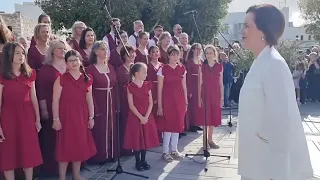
(228,68)
(24,43)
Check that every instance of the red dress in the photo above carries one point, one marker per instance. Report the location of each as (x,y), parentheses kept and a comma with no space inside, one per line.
(211,94)
(44,83)
(21,147)
(84,56)
(104,132)
(35,58)
(123,78)
(164,57)
(33,41)
(74,140)
(153,78)
(195,115)
(74,44)
(115,59)
(173,100)
(139,136)
(141,57)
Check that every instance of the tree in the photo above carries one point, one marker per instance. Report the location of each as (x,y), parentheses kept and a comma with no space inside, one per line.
(310,11)
(151,12)
(289,50)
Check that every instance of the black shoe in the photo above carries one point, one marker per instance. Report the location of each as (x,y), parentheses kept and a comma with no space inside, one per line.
(199,128)
(145,166)
(139,167)
(193,129)
(183,134)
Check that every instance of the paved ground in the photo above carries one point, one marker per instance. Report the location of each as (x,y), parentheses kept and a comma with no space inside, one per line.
(192,168)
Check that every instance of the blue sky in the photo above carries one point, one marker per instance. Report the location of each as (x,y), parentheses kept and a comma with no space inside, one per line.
(235,6)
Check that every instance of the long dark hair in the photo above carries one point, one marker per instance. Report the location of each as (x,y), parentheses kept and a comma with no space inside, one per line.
(41,17)
(82,42)
(8,54)
(123,52)
(82,70)
(191,51)
(136,68)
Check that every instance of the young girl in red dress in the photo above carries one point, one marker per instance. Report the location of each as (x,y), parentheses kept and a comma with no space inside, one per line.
(123,79)
(153,68)
(20,118)
(172,103)
(211,92)
(73,113)
(193,65)
(141,132)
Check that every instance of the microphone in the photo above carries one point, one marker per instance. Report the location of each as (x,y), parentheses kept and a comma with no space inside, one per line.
(188,12)
(104,2)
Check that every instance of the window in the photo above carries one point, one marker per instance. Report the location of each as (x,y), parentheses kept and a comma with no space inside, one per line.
(301,37)
(309,37)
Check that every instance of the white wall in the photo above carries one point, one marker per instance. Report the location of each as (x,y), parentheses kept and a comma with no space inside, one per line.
(235,20)
(29,9)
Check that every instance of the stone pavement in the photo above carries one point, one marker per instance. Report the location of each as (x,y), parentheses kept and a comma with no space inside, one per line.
(192,168)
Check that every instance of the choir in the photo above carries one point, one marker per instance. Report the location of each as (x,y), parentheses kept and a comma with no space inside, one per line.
(155,86)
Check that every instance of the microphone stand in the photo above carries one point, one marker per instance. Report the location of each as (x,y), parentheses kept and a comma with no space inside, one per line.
(206,153)
(230,108)
(119,169)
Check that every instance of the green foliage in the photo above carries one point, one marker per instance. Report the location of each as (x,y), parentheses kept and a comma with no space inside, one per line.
(310,11)
(165,12)
(245,62)
(289,50)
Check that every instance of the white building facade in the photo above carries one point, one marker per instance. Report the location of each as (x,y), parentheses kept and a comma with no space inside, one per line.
(234,23)
(28,9)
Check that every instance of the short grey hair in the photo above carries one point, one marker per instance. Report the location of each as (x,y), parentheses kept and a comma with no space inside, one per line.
(75,25)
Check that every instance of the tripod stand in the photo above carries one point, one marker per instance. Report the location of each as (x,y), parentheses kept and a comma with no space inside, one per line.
(206,153)
(230,108)
(119,169)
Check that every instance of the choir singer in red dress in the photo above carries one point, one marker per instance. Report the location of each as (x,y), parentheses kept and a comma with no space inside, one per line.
(172,103)
(210,94)
(141,132)
(73,113)
(54,66)
(103,88)
(123,79)
(153,68)
(20,118)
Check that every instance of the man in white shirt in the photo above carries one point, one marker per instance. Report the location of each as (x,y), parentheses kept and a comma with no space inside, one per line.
(133,39)
(110,38)
(157,29)
(177,30)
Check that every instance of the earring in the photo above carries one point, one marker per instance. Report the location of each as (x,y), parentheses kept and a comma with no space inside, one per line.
(262,38)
